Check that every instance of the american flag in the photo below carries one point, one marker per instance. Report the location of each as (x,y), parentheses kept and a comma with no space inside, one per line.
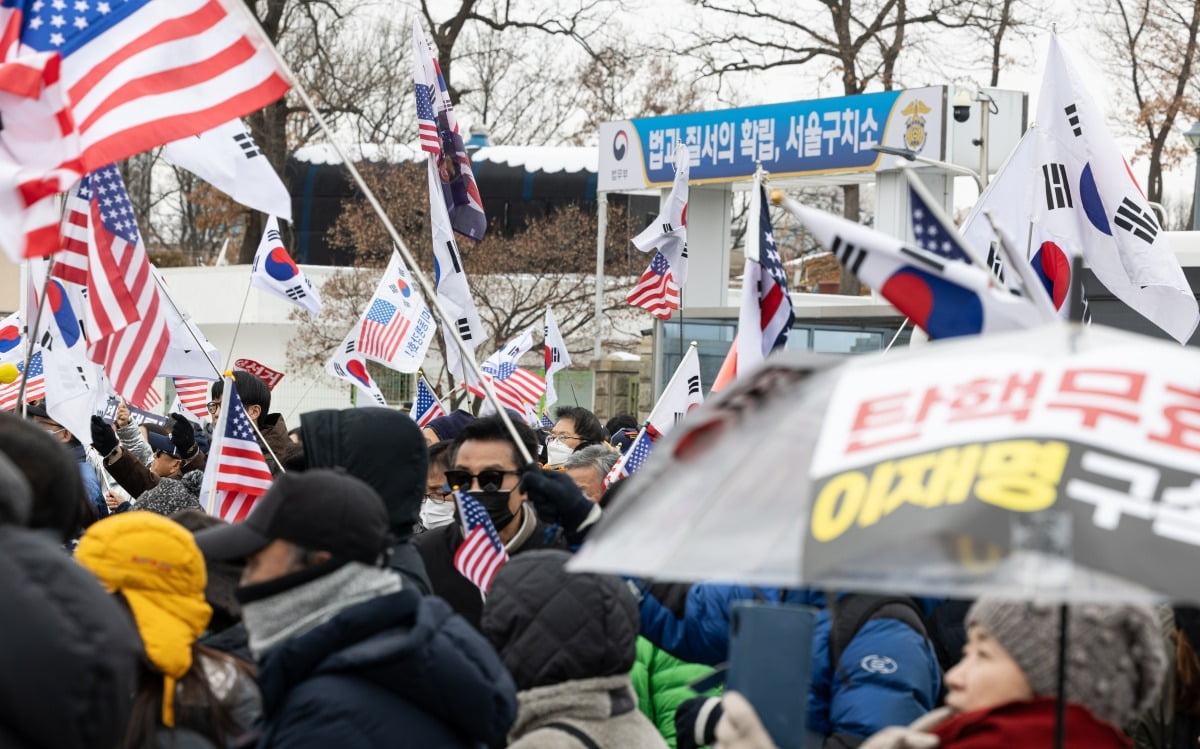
(656,291)
(30,176)
(427,120)
(481,553)
(241,472)
(546,421)
(426,406)
(516,387)
(103,251)
(140,73)
(35,386)
(382,330)
(444,142)
(632,458)
(928,231)
(193,396)
(775,306)
(153,398)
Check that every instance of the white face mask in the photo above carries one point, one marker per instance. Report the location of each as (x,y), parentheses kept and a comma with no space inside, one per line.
(437,514)
(557,452)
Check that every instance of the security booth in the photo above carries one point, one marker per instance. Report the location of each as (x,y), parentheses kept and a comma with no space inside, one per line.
(939,130)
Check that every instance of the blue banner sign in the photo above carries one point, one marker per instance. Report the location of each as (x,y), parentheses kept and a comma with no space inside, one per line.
(820,136)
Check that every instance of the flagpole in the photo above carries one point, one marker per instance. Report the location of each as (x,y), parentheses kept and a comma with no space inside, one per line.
(426,287)
(919,187)
(37,323)
(1034,291)
(215,446)
(899,330)
(237,328)
(162,287)
(670,382)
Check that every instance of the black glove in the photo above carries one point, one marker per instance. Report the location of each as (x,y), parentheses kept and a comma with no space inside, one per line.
(183,436)
(696,722)
(104,439)
(556,498)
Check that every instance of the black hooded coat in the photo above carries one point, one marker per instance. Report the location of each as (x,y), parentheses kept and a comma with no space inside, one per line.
(386,449)
(69,655)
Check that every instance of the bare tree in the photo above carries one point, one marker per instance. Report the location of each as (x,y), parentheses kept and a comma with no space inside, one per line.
(355,65)
(859,41)
(1152,47)
(513,279)
(997,22)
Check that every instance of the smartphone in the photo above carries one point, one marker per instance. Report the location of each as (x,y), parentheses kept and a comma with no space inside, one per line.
(770,664)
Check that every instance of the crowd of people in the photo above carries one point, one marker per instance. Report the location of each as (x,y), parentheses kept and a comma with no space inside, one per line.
(336,614)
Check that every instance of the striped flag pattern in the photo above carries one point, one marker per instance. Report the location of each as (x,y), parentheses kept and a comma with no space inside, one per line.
(426,406)
(35,388)
(481,554)
(193,396)
(140,73)
(118,78)
(382,330)
(656,291)
(631,459)
(241,473)
(444,142)
(516,387)
(126,325)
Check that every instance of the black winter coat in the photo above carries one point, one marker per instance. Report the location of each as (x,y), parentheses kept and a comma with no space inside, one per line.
(69,653)
(386,449)
(437,549)
(397,671)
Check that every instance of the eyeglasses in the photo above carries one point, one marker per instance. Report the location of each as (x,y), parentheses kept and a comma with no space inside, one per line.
(489,479)
(161,453)
(440,496)
(560,437)
(213,406)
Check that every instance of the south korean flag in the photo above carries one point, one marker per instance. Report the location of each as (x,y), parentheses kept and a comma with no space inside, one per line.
(1084,198)
(227,158)
(275,272)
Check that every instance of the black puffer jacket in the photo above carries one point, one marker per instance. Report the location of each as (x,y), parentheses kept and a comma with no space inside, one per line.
(569,640)
(399,671)
(69,654)
(551,626)
(384,448)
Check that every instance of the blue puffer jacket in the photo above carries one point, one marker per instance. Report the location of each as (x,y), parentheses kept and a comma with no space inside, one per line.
(867,695)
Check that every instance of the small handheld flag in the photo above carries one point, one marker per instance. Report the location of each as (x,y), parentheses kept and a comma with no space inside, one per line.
(481,554)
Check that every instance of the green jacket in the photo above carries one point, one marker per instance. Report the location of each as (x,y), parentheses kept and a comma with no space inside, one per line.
(661,682)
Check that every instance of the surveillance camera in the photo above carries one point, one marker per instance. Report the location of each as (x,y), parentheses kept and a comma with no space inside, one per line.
(961,105)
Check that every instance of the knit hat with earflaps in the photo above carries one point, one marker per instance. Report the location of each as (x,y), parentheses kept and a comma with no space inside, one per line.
(1115,654)
(156,566)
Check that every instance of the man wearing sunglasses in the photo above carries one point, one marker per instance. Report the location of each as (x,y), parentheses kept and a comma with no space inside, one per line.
(486,463)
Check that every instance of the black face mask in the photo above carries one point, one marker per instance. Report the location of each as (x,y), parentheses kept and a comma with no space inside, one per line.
(496,504)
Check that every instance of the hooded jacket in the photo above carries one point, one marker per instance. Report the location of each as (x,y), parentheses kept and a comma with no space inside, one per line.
(400,670)
(569,642)
(384,448)
(68,659)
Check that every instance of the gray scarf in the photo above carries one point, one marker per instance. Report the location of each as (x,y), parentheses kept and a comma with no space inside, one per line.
(293,612)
